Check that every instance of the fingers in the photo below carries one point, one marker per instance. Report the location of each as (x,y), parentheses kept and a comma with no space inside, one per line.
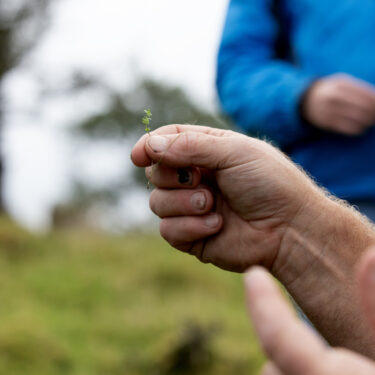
(181,202)
(182,232)
(342,104)
(351,115)
(356,114)
(366,277)
(357,102)
(352,103)
(290,345)
(361,91)
(292,348)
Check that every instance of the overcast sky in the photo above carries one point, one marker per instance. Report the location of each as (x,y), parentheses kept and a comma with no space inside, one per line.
(175,41)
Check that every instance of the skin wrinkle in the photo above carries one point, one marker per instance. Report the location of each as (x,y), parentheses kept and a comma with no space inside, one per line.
(191,147)
(241,175)
(270,233)
(304,206)
(315,256)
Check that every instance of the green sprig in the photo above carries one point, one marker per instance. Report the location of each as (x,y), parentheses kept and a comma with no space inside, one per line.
(146,119)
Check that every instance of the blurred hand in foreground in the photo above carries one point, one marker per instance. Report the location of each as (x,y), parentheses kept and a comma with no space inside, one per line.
(291,347)
(340,103)
(224,197)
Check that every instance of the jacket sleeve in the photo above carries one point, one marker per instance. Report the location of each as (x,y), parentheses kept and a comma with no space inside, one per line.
(259,92)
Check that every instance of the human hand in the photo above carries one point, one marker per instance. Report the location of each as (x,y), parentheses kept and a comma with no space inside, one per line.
(291,347)
(340,103)
(236,200)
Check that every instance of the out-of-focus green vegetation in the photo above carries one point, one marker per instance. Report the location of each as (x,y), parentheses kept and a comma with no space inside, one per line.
(21,25)
(85,303)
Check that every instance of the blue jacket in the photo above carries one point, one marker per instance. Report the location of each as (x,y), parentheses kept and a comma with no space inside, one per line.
(262,94)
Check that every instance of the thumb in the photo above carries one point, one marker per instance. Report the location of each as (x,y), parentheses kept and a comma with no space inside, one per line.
(198,149)
(366,276)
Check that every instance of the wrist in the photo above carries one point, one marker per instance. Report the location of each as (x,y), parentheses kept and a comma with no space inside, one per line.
(317,263)
(324,230)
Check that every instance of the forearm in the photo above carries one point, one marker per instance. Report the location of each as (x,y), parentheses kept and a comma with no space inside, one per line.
(316,263)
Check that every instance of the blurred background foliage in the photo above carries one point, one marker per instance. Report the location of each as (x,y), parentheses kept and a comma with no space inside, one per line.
(22,23)
(82,301)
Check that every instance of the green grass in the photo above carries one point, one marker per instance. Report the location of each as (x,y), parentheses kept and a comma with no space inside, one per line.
(85,303)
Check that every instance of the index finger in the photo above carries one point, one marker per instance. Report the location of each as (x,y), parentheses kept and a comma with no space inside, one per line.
(139,155)
(288,343)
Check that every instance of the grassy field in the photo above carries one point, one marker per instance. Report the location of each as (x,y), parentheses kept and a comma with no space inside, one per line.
(83,303)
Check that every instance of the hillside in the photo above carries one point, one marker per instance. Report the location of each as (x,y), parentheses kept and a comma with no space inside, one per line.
(84,303)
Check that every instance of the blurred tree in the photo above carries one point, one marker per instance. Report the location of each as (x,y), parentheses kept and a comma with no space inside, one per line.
(122,116)
(21,25)
(120,122)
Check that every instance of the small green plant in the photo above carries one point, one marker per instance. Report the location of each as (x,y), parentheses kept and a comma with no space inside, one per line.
(146,119)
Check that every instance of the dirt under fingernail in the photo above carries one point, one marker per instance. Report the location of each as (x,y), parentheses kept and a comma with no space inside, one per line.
(185,176)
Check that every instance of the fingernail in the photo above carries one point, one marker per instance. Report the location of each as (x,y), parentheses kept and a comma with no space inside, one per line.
(212,221)
(198,200)
(185,176)
(158,143)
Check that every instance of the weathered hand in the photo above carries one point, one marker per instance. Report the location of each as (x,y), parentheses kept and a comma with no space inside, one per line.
(340,103)
(292,348)
(222,196)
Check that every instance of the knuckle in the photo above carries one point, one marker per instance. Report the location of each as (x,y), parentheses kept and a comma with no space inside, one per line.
(190,142)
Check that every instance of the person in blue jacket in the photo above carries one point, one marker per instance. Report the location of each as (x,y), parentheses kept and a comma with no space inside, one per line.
(301,73)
